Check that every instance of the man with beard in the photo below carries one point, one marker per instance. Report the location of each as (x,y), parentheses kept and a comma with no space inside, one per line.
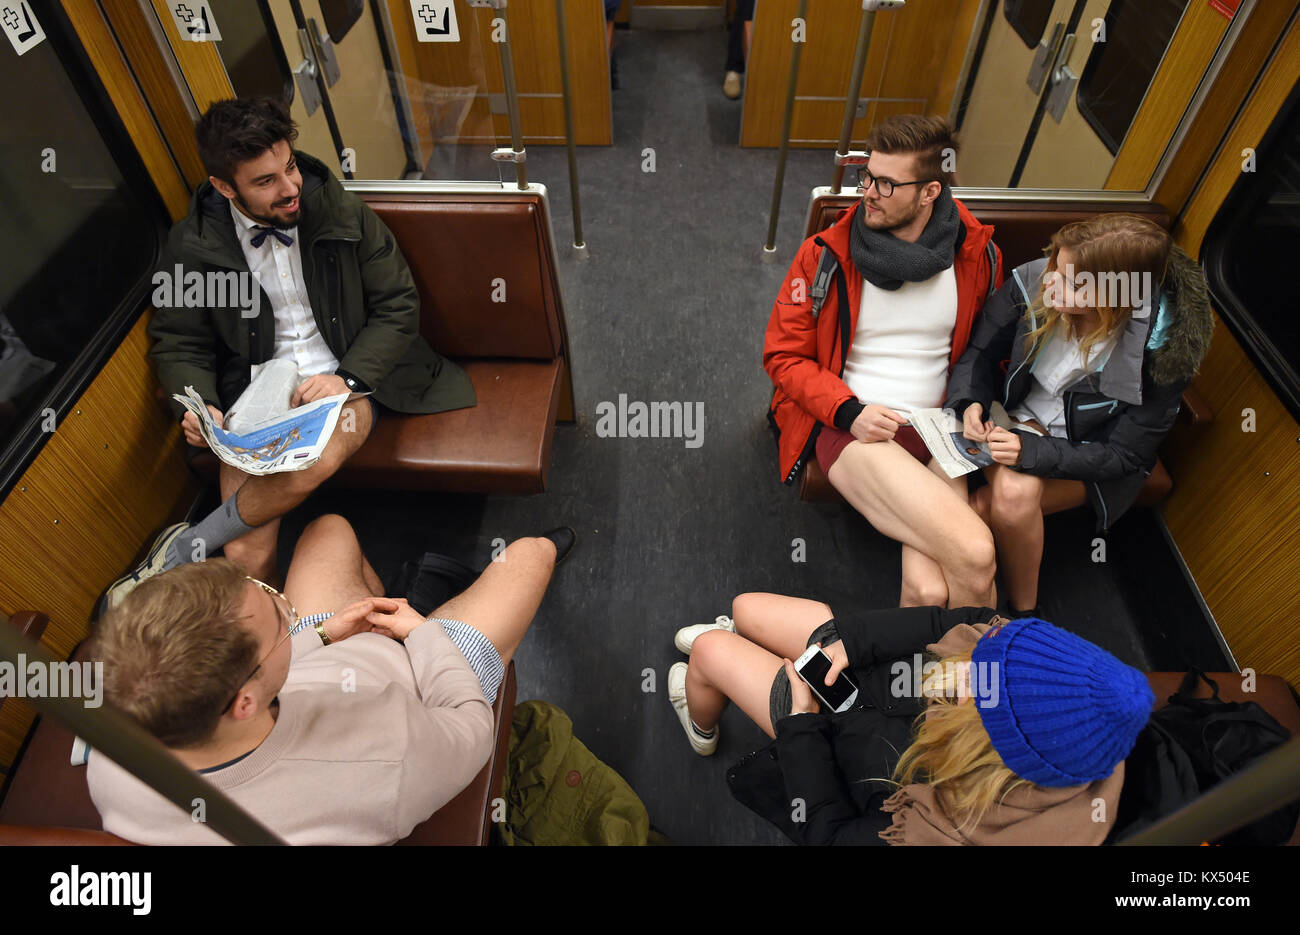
(910,270)
(336,298)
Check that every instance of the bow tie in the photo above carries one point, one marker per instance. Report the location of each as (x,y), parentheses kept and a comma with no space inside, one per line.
(259,238)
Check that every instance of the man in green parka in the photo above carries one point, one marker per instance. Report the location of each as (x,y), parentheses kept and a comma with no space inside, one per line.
(318,280)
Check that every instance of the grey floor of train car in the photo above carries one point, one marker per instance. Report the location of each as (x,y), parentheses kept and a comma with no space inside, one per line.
(671,306)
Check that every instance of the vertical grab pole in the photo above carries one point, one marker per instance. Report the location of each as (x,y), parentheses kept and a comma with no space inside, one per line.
(855,89)
(775,212)
(114,735)
(578,242)
(512,99)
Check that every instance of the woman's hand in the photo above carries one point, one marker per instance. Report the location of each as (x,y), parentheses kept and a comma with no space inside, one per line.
(397,622)
(1004,446)
(876,424)
(801,696)
(973,425)
(839,660)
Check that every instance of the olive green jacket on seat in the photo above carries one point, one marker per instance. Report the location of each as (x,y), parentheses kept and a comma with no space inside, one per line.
(557,792)
(360,289)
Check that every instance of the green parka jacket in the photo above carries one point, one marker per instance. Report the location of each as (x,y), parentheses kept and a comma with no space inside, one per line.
(360,289)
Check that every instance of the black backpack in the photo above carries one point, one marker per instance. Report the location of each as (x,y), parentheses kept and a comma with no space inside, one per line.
(1190,746)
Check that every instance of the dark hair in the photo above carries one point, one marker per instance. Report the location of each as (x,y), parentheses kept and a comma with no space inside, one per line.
(927,138)
(232,132)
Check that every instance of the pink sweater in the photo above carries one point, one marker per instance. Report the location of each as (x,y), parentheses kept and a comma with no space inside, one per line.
(373,737)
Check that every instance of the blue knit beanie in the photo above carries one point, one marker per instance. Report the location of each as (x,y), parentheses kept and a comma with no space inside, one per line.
(1066,712)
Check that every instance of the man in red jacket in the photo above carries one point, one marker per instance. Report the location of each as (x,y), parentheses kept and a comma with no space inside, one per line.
(913,270)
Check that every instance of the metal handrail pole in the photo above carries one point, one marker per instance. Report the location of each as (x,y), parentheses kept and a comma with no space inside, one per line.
(791,82)
(512,97)
(855,90)
(568,126)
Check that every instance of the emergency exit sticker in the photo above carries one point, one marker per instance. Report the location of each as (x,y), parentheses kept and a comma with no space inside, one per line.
(435,20)
(194,20)
(20,25)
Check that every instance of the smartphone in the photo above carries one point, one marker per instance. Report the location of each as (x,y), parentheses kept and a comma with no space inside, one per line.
(812,667)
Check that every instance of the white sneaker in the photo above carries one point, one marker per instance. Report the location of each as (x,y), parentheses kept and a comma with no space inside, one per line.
(677,695)
(152,565)
(731,85)
(686,636)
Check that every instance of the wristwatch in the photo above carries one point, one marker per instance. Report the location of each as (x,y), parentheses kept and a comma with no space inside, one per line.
(353,384)
(320,631)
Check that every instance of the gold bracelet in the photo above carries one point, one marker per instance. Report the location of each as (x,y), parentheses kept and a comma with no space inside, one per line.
(320,631)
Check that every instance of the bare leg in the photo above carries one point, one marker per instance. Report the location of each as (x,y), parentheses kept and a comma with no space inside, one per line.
(254,552)
(1017,503)
(501,604)
(262,499)
(726,666)
(328,570)
(908,502)
(778,623)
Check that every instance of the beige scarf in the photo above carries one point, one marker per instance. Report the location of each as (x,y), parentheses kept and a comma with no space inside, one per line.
(1029,814)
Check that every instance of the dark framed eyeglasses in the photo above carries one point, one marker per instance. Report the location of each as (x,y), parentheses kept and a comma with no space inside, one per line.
(290,618)
(884,186)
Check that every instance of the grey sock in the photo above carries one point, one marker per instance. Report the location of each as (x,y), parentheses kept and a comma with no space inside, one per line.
(214,530)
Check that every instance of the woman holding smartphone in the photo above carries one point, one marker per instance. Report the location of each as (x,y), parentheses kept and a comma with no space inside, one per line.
(970,772)
(1089,350)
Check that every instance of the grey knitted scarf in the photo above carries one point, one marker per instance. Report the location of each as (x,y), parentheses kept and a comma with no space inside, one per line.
(887,262)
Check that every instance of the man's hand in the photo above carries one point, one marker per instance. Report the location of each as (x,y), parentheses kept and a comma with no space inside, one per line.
(1005,447)
(317,387)
(190,425)
(397,620)
(876,424)
(801,696)
(973,425)
(355,618)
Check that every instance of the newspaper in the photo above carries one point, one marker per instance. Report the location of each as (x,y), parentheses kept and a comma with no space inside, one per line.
(954,452)
(266,436)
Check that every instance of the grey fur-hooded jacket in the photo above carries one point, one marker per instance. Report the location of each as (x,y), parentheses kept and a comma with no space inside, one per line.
(1115,418)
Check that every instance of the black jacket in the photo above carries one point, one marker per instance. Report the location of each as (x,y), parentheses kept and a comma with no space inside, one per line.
(824,764)
(360,289)
(1115,419)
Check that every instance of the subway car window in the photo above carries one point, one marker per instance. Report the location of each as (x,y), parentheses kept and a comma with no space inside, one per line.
(1029,17)
(76,238)
(1256,236)
(1120,68)
(255,60)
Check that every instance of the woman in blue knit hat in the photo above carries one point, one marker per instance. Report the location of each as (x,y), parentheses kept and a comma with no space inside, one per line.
(1010,732)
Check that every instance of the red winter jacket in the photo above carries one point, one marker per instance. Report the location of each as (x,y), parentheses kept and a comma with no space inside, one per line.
(803,355)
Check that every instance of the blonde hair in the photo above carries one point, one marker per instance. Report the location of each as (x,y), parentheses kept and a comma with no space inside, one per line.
(176,649)
(1104,245)
(953,753)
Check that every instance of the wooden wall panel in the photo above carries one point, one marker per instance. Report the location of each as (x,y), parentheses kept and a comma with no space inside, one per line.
(112,472)
(110,476)
(909,68)
(1235,511)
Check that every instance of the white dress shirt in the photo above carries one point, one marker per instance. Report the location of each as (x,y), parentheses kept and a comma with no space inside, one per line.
(279,271)
(1059,366)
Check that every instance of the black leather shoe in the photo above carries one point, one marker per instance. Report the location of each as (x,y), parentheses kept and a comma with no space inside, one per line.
(564,539)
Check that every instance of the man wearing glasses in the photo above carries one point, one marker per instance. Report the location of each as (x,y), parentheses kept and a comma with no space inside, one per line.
(334,715)
(910,270)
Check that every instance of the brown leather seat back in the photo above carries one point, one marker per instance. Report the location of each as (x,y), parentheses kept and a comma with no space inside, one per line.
(466,254)
(1021,228)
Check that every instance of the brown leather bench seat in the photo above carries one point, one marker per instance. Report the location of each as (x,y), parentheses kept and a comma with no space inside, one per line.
(47,801)
(483,262)
(1022,229)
